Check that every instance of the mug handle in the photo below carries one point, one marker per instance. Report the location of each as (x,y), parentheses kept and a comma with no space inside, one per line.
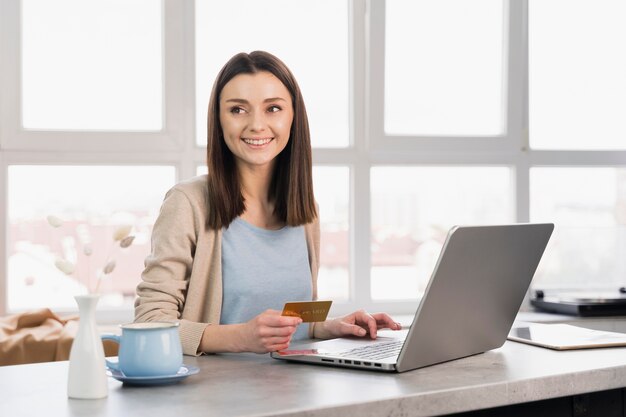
(116,339)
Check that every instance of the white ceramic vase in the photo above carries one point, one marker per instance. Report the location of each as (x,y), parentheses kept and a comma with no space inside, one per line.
(87,377)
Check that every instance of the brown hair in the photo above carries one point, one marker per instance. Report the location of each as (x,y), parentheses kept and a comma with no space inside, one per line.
(291,186)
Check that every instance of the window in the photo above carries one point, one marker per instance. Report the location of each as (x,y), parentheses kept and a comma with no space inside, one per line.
(443,67)
(589,206)
(423,114)
(576,101)
(92,202)
(577,88)
(102,62)
(412,210)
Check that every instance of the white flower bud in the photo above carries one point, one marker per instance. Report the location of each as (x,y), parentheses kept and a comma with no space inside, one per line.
(127,241)
(87,249)
(109,267)
(64,266)
(121,232)
(54,221)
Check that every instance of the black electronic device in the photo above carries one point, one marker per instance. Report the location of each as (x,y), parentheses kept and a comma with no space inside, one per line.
(581,303)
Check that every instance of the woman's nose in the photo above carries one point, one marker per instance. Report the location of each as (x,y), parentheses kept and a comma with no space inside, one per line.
(257,121)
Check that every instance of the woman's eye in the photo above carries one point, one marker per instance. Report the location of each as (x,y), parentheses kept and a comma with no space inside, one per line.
(236,110)
(274,109)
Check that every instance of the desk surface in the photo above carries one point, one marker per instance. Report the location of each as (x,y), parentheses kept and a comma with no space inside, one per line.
(256,385)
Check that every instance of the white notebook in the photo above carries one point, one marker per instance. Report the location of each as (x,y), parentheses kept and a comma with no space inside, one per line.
(565,336)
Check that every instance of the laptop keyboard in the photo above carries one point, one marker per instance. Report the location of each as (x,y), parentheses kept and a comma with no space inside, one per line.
(375,351)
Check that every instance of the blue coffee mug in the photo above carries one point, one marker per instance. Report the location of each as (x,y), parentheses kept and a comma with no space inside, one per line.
(147,349)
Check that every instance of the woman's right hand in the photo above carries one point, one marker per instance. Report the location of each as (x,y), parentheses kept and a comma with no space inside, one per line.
(268,332)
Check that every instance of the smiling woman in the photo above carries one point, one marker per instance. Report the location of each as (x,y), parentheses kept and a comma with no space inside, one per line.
(229,249)
(244,105)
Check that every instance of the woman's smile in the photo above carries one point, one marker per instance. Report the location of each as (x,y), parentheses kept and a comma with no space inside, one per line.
(257,142)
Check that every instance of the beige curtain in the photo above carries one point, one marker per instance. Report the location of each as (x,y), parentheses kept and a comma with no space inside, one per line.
(39,336)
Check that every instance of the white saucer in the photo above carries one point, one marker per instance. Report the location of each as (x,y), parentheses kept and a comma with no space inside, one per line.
(183,372)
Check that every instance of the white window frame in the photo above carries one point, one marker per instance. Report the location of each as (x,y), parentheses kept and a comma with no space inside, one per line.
(15,137)
(369,145)
(173,145)
(380,149)
(511,148)
(511,93)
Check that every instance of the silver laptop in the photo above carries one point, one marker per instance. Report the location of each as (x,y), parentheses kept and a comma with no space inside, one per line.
(470,303)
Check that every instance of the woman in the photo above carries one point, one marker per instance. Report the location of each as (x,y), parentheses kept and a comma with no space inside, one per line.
(230,248)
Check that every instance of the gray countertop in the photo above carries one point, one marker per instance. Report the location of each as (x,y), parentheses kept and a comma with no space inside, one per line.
(256,385)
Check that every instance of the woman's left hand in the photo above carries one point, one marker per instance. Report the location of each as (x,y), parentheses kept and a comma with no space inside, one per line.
(359,323)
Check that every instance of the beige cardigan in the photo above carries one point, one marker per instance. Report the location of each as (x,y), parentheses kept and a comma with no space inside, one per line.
(182,279)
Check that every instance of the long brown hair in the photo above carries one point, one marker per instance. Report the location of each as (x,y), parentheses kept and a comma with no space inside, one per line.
(291,187)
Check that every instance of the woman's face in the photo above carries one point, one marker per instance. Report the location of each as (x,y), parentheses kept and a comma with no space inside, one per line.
(256,114)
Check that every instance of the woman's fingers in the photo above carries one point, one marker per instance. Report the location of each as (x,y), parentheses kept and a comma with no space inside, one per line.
(367,322)
(361,323)
(273,318)
(278,347)
(352,329)
(269,331)
(270,342)
(384,321)
(370,324)
(266,331)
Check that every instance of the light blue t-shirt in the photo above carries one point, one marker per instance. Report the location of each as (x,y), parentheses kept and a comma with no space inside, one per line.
(263,269)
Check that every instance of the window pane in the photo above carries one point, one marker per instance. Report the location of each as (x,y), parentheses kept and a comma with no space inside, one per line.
(588,207)
(92,65)
(410,222)
(93,202)
(577,88)
(332,193)
(443,72)
(311,37)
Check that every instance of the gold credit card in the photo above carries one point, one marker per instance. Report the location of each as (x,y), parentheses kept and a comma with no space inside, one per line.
(308,311)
